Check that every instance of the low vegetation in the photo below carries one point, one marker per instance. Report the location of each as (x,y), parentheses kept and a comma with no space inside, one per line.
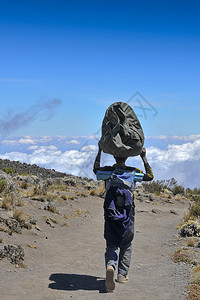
(3,185)
(19,216)
(182,255)
(100,191)
(9,170)
(194,288)
(158,186)
(8,202)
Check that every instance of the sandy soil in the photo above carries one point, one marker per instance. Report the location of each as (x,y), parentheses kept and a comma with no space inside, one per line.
(68,262)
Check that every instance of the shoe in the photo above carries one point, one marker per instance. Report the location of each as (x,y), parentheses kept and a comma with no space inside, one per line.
(122,279)
(110,283)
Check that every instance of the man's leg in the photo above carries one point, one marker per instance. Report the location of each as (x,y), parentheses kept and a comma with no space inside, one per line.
(111,258)
(126,251)
(111,255)
(124,259)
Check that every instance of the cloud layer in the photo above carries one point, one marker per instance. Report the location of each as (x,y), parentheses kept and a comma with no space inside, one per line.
(181,161)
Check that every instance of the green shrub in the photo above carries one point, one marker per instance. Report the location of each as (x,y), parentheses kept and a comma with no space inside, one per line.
(3,185)
(155,187)
(178,189)
(159,186)
(9,170)
(24,185)
(194,211)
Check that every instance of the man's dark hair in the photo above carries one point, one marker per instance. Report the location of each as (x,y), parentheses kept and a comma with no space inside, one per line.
(120,160)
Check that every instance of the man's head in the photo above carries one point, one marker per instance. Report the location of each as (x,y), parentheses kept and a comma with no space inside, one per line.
(120,160)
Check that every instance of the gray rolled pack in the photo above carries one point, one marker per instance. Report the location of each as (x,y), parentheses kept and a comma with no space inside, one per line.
(122,134)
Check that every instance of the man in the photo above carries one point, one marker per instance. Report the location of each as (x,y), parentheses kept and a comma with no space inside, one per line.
(119,213)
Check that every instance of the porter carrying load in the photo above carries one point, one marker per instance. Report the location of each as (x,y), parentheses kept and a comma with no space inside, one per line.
(122,134)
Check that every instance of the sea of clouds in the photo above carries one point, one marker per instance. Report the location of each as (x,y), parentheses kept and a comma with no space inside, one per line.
(177,157)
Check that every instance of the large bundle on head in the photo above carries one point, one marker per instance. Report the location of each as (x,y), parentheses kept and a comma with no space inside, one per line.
(122,134)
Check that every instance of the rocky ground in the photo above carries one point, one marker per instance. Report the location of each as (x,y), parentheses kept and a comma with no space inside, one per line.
(52,245)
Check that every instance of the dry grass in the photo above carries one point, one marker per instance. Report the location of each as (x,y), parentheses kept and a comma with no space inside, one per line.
(196,274)
(3,185)
(52,197)
(22,265)
(66,224)
(194,288)
(8,202)
(72,197)
(24,185)
(38,191)
(182,255)
(194,291)
(52,209)
(31,246)
(20,202)
(19,216)
(64,197)
(53,220)
(4,229)
(82,194)
(59,187)
(100,191)
(66,217)
(78,213)
(191,241)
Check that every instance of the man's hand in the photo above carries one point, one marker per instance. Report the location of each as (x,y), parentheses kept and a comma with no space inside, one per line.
(143,155)
(97,160)
(99,150)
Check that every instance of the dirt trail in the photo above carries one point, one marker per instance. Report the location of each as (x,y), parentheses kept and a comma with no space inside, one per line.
(69,262)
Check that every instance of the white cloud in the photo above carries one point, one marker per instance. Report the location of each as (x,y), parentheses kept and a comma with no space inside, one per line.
(191,137)
(95,137)
(9,142)
(89,148)
(158,137)
(73,142)
(61,137)
(26,140)
(32,147)
(44,139)
(184,138)
(179,161)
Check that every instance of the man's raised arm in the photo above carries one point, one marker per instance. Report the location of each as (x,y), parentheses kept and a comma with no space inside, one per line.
(149,173)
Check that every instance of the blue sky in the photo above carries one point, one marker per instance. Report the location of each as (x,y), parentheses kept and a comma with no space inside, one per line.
(62,63)
(89,54)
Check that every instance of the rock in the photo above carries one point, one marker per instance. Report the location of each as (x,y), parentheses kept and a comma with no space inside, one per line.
(172,211)
(50,223)
(143,195)
(38,228)
(14,253)
(13,225)
(9,181)
(31,179)
(33,221)
(152,197)
(23,168)
(191,229)
(69,181)
(40,199)
(167,192)
(156,211)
